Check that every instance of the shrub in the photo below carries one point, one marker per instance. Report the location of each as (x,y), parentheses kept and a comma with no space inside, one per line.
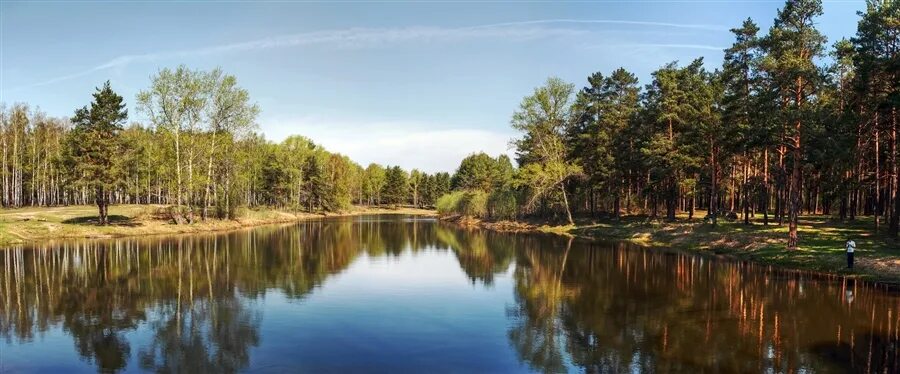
(475,204)
(449,203)
(503,204)
(467,203)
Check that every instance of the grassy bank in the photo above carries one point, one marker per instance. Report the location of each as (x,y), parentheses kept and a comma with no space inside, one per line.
(821,241)
(37,223)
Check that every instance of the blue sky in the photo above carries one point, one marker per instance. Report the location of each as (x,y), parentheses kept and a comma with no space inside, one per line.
(415,84)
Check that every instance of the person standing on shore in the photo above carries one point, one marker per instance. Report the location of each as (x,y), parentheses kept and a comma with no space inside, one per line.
(851,247)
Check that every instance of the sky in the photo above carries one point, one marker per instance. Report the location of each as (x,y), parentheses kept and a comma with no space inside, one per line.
(415,84)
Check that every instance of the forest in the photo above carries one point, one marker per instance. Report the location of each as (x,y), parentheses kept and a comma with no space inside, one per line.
(788,125)
(199,153)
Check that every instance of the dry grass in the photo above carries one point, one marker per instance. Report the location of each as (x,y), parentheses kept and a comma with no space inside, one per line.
(37,223)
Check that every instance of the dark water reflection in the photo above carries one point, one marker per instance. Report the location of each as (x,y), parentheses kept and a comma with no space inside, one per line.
(404,294)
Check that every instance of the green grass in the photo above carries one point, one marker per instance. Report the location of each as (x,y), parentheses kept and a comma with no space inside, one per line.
(23,224)
(40,223)
(821,242)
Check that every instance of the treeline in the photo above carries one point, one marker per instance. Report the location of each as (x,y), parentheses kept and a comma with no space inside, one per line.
(784,126)
(199,153)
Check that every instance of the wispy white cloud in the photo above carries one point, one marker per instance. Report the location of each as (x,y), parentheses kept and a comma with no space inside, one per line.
(424,146)
(681,46)
(371,37)
(116,62)
(610,22)
(347,38)
(660,45)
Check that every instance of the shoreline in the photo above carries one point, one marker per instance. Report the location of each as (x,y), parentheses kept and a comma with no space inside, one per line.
(31,225)
(877,259)
(821,252)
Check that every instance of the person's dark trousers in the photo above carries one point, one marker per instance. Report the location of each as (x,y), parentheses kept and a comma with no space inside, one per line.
(850,260)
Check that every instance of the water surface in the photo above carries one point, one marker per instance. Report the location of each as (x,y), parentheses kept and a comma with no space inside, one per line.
(406,294)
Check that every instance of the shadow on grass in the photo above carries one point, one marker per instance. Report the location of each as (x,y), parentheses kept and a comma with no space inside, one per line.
(114,220)
(822,241)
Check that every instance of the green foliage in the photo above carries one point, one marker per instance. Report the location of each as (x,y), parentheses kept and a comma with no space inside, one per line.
(199,152)
(479,171)
(373,183)
(544,119)
(718,140)
(504,204)
(94,146)
(680,109)
(449,204)
(474,204)
(464,203)
(201,113)
(776,125)
(396,186)
(601,136)
(431,187)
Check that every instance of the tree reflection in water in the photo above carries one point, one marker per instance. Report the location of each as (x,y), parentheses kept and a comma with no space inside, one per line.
(481,254)
(194,293)
(214,336)
(540,292)
(610,308)
(197,301)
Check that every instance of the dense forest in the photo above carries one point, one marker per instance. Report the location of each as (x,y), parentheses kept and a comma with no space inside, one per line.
(785,126)
(199,151)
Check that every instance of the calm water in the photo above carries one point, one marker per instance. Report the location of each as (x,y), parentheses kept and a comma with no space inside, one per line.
(400,294)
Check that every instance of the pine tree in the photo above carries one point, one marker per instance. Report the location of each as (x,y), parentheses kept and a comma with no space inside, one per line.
(396,186)
(603,111)
(676,102)
(94,146)
(878,93)
(738,105)
(793,44)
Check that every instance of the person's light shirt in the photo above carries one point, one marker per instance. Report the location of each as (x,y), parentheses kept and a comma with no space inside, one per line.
(851,246)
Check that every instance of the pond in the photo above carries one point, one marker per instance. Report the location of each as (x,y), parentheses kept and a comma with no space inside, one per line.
(408,294)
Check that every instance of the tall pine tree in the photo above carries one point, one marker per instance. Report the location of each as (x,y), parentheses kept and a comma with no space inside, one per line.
(94,146)
(793,44)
